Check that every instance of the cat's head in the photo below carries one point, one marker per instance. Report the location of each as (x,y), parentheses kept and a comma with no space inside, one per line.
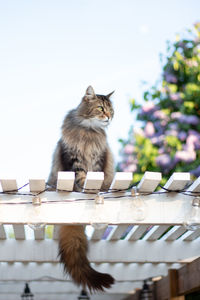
(96,110)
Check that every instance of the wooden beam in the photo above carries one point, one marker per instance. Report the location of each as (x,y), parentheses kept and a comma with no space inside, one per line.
(121,272)
(102,251)
(149,182)
(177,181)
(189,277)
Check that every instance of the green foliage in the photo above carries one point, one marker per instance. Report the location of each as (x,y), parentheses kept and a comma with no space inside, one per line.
(169,138)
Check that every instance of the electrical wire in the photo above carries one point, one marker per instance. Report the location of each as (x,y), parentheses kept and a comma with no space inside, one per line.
(105,193)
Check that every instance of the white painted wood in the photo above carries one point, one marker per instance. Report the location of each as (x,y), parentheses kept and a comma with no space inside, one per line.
(138,232)
(192,235)
(93,181)
(39,234)
(8,185)
(149,182)
(195,187)
(56,232)
(102,251)
(118,232)
(121,180)
(19,231)
(98,233)
(156,232)
(175,233)
(177,181)
(2,232)
(36,184)
(120,271)
(65,181)
(161,209)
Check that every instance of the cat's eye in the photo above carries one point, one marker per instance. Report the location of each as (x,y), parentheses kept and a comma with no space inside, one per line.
(100,108)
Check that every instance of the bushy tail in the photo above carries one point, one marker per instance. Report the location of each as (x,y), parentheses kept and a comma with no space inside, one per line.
(73,248)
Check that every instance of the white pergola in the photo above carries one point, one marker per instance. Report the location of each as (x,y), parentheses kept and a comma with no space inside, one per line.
(130,250)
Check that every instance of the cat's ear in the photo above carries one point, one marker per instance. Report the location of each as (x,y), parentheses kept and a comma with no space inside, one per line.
(89,92)
(109,95)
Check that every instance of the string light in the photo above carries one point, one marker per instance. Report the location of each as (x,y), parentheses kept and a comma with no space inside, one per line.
(139,206)
(34,214)
(83,296)
(27,295)
(192,219)
(146,293)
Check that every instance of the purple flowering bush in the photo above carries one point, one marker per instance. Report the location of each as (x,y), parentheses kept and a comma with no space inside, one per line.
(169,138)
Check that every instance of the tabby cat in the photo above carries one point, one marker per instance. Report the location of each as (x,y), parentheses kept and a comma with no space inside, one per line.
(83,147)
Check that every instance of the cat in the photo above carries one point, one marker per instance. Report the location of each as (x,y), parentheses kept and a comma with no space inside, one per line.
(83,147)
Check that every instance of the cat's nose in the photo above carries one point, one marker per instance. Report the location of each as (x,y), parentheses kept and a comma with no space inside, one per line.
(108,116)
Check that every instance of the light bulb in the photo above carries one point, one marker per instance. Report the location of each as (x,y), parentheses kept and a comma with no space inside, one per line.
(139,206)
(34,215)
(192,219)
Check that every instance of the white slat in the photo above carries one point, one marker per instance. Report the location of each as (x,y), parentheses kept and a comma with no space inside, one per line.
(118,232)
(2,232)
(97,234)
(39,234)
(65,181)
(138,232)
(156,232)
(37,185)
(175,233)
(93,181)
(149,182)
(19,231)
(177,181)
(193,235)
(121,180)
(56,232)
(195,187)
(9,185)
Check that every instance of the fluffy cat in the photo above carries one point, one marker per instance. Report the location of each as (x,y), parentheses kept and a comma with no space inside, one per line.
(83,147)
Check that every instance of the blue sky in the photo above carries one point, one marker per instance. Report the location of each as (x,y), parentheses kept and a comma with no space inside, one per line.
(50,51)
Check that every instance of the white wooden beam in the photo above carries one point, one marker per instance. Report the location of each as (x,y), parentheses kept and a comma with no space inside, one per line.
(65,181)
(102,251)
(137,232)
(149,182)
(195,187)
(93,181)
(118,232)
(19,231)
(8,184)
(177,181)
(36,184)
(98,233)
(157,232)
(121,180)
(2,232)
(175,233)
(161,209)
(121,272)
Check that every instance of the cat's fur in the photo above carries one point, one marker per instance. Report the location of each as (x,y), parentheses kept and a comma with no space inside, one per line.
(83,147)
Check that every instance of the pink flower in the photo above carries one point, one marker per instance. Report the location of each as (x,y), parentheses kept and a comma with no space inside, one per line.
(128,149)
(186,156)
(175,97)
(130,168)
(149,129)
(147,107)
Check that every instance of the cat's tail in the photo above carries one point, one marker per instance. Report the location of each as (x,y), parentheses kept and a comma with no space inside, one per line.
(73,248)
